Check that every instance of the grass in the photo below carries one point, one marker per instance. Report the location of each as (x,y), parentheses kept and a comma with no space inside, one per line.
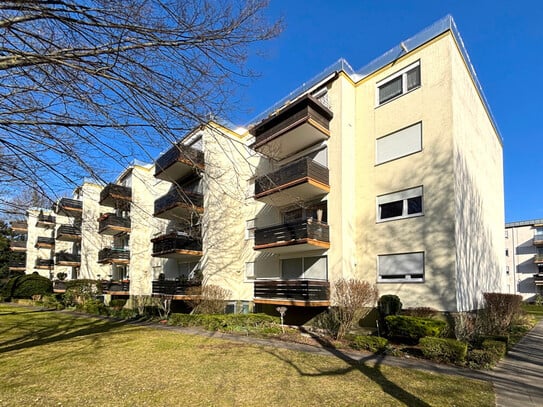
(54,358)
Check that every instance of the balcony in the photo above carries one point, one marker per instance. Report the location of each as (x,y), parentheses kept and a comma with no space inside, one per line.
(294,128)
(312,293)
(178,204)
(300,180)
(114,195)
(17,245)
(538,279)
(293,236)
(177,246)
(17,265)
(175,288)
(114,256)
(115,287)
(67,259)
(19,226)
(44,264)
(69,233)
(111,224)
(178,162)
(538,240)
(45,221)
(69,207)
(45,242)
(538,259)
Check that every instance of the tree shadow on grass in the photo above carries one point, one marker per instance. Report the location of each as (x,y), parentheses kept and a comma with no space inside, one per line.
(371,372)
(54,329)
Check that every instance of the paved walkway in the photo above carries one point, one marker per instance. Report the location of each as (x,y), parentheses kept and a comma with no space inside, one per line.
(518,378)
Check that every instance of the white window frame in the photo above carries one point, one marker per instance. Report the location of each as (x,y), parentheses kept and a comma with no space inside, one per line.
(402,277)
(250,227)
(404,196)
(403,74)
(250,270)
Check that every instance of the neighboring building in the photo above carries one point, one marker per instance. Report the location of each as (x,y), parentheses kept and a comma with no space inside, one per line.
(524,258)
(391,174)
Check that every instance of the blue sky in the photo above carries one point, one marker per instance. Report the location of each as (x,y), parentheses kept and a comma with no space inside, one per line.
(504,41)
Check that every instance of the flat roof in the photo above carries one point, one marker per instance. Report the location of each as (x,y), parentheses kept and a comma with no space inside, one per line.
(524,223)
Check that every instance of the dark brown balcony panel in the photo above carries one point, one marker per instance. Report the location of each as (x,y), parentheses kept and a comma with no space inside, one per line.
(305,293)
(538,259)
(69,233)
(538,279)
(114,287)
(45,221)
(69,207)
(115,195)
(67,259)
(17,265)
(178,246)
(175,288)
(45,242)
(19,226)
(178,204)
(111,224)
(295,127)
(59,286)
(178,162)
(44,264)
(17,245)
(538,240)
(293,236)
(300,180)
(114,256)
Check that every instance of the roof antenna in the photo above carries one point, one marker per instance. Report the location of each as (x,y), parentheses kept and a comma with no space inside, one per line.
(402,45)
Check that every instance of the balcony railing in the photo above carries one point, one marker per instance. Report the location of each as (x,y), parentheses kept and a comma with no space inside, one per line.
(19,226)
(109,255)
(114,286)
(17,245)
(303,179)
(69,207)
(294,128)
(292,290)
(173,243)
(173,287)
(45,242)
(299,232)
(62,258)
(538,259)
(538,240)
(69,233)
(178,162)
(17,265)
(178,203)
(45,220)
(111,224)
(44,264)
(114,194)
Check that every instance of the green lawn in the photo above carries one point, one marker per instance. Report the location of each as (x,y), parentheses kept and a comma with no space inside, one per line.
(56,359)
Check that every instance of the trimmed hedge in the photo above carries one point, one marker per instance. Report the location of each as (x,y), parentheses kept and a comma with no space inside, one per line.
(26,286)
(228,322)
(411,329)
(443,349)
(369,343)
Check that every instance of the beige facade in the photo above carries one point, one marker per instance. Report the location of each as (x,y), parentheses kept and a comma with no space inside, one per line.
(524,258)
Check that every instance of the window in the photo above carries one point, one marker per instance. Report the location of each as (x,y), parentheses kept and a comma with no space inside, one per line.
(399,144)
(398,84)
(507,252)
(401,267)
(250,271)
(250,229)
(399,205)
(538,233)
(304,267)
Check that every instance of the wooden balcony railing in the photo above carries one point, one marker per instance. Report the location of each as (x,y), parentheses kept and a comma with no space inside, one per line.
(178,161)
(176,198)
(63,258)
(69,207)
(45,242)
(115,286)
(44,263)
(111,224)
(45,220)
(294,290)
(173,287)
(17,264)
(114,194)
(68,233)
(109,255)
(292,233)
(19,226)
(18,245)
(173,242)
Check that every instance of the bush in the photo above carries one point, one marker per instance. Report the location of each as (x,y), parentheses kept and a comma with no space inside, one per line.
(27,286)
(421,312)
(94,307)
(499,348)
(500,311)
(389,305)
(443,349)
(411,329)
(51,302)
(353,300)
(258,323)
(209,299)
(117,303)
(369,343)
(80,291)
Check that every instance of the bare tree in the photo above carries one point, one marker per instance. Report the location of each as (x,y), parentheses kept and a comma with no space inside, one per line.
(88,83)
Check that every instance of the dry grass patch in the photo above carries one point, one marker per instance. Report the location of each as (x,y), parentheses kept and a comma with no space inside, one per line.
(54,358)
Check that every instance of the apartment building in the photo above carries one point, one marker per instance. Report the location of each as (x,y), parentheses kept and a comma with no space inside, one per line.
(524,258)
(391,173)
